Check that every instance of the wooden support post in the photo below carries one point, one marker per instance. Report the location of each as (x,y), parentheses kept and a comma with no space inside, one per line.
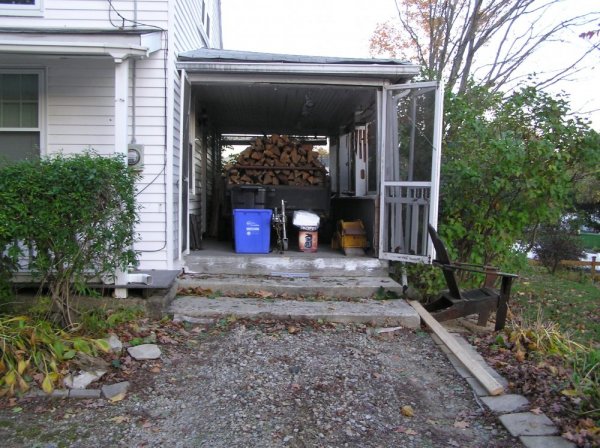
(593,270)
(487,381)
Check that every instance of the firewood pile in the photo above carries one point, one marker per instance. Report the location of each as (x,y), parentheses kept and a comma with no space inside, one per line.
(277,160)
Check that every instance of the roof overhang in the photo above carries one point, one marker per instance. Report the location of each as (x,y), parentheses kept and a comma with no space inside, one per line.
(119,46)
(206,62)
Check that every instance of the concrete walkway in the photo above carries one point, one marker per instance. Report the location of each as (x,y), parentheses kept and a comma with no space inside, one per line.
(375,312)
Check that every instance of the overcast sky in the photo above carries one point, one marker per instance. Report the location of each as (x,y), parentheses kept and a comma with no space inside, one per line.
(343,28)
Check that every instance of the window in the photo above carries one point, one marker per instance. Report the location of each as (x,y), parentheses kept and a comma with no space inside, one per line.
(21,7)
(20,115)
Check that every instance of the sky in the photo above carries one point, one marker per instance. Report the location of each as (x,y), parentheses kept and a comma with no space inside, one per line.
(343,28)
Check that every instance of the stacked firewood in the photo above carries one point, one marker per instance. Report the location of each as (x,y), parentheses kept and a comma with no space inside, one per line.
(277,160)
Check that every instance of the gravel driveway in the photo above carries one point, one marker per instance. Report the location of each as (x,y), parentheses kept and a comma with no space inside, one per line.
(275,385)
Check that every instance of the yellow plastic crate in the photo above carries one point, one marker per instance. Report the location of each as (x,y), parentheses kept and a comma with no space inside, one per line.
(351,234)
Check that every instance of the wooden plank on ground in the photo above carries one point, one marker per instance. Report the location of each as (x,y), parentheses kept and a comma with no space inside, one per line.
(484,377)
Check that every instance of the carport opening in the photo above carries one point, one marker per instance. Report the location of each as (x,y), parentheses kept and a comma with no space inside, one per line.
(338,119)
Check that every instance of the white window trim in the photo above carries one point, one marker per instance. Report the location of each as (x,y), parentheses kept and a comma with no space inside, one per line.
(23,10)
(41,104)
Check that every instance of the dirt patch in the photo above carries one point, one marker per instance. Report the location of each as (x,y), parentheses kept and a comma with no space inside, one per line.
(272,385)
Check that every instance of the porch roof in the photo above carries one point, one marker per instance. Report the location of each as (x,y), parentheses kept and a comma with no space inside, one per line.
(84,42)
(211,60)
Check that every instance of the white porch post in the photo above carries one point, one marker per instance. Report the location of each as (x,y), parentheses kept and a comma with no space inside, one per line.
(121,123)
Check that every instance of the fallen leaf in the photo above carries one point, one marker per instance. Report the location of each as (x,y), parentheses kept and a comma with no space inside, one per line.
(407,411)
(120,419)
(461,424)
(520,355)
(264,294)
(536,411)
(118,397)
(410,432)
(569,392)
(155,369)
(292,329)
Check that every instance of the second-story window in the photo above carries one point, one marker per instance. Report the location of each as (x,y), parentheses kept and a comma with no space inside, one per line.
(20,7)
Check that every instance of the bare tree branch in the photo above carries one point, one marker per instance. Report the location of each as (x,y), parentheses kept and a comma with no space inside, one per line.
(449,37)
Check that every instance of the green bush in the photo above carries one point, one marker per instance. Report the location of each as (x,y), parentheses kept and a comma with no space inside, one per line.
(556,243)
(75,215)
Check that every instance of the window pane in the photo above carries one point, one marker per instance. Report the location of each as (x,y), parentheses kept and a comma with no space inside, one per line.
(11,87)
(11,113)
(29,87)
(19,100)
(17,2)
(29,115)
(16,146)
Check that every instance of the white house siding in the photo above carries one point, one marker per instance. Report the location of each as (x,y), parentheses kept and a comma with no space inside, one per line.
(150,131)
(80,101)
(91,14)
(187,33)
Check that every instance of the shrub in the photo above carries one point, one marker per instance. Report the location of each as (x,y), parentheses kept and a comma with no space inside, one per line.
(75,215)
(557,243)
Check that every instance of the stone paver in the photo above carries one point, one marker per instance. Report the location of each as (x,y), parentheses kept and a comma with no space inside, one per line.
(505,404)
(110,391)
(144,351)
(545,442)
(528,424)
(477,387)
(84,393)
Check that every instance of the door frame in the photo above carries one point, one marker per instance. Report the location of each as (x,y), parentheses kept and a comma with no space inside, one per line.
(388,112)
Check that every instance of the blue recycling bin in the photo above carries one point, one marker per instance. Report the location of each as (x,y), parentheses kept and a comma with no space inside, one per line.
(252,230)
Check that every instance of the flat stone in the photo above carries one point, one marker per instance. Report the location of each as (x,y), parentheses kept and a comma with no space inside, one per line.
(460,368)
(111,391)
(84,393)
(505,404)
(144,351)
(528,424)
(477,387)
(375,312)
(59,393)
(546,442)
(115,343)
(83,380)
(194,320)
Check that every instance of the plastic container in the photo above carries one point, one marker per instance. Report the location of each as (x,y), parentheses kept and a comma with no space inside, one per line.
(308,241)
(252,230)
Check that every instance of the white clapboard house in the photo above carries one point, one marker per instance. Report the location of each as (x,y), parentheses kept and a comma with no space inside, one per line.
(150,78)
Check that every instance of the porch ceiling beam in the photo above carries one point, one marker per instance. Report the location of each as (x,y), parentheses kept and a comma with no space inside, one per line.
(146,45)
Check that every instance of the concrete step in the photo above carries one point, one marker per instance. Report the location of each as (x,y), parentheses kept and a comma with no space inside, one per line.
(313,265)
(241,285)
(381,313)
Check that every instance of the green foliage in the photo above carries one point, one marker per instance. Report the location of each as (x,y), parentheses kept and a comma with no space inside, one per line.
(33,350)
(556,243)
(586,379)
(426,279)
(75,214)
(508,164)
(98,321)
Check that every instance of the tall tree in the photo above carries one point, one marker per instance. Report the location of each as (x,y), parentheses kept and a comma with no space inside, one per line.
(452,39)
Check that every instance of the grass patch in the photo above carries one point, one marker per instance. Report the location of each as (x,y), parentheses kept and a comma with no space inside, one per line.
(568,298)
(590,241)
